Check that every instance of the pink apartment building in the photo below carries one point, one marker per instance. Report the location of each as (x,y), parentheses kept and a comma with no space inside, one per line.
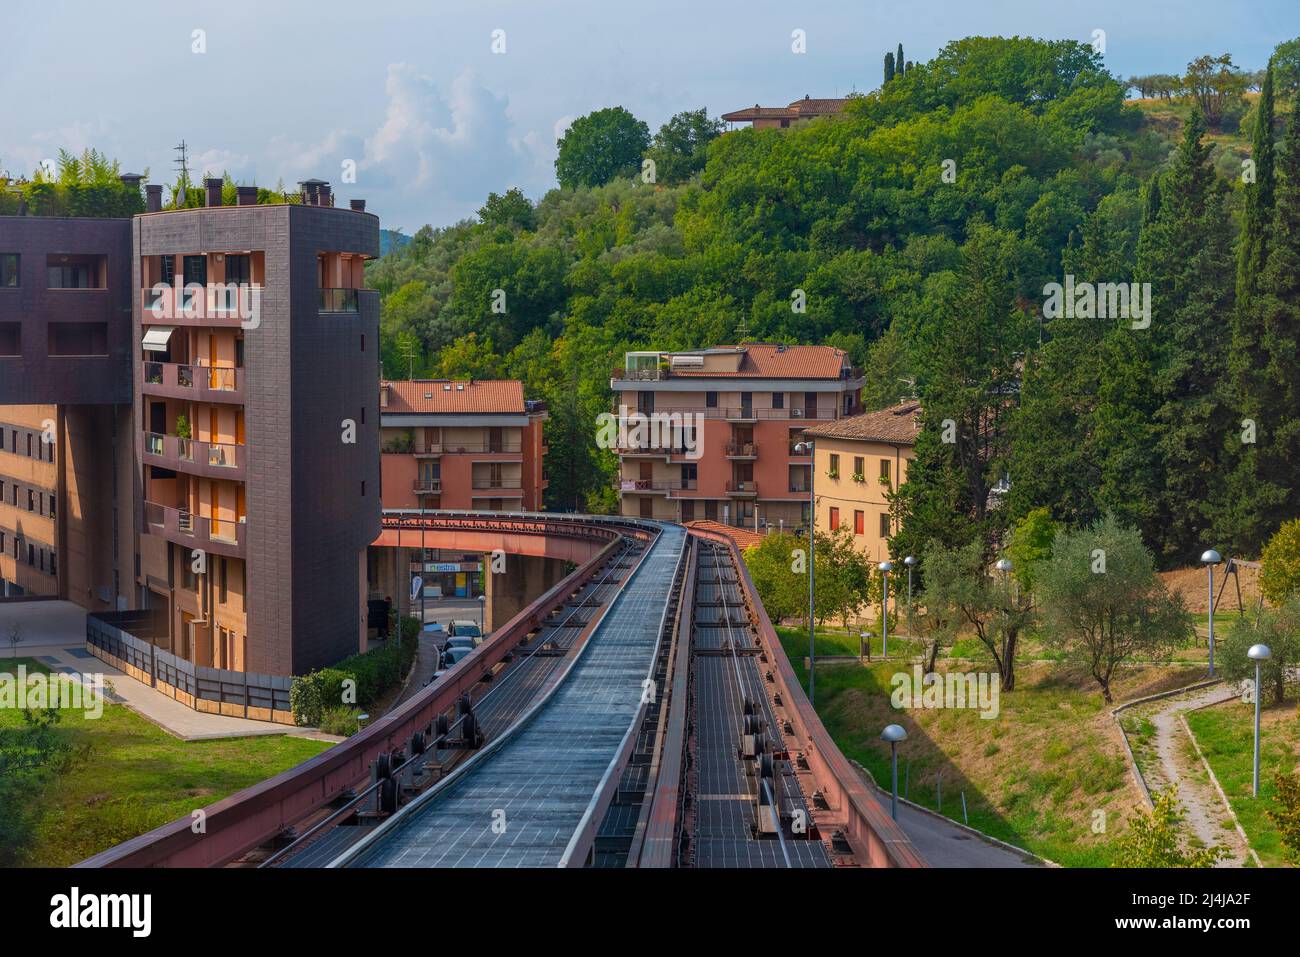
(744,408)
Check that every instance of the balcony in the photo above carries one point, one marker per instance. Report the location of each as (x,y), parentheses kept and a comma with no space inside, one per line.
(209,459)
(220,307)
(426,486)
(180,525)
(741,450)
(338,300)
(196,383)
(481,448)
(748,489)
(499,489)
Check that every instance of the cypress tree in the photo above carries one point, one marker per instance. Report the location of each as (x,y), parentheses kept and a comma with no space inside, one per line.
(898,59)
(1257,214)
(889,67)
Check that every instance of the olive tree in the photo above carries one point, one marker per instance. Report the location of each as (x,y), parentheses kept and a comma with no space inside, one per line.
(1103,603)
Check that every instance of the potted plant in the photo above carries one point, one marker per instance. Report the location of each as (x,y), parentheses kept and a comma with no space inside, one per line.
(182,427)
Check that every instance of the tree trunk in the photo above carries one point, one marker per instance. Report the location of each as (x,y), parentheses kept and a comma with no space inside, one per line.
(931,657)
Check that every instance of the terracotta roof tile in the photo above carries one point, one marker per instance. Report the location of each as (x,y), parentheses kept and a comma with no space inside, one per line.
(742,537)
(444,395)
(898,425)
(770,361)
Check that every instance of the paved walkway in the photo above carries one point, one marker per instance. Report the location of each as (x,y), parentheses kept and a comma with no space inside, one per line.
(54,633)
(943,844)
(1175,762)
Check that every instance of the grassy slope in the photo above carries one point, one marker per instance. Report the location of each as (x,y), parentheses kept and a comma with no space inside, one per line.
(1033,776)
(1226,736)
(134,776)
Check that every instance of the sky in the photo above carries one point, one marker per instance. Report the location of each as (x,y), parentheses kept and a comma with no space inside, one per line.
(413,96)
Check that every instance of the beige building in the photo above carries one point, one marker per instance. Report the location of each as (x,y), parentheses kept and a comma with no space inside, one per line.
(858,461)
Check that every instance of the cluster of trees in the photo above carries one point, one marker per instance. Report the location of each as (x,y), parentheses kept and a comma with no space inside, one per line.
(85,185)
(846,582)
(896,65)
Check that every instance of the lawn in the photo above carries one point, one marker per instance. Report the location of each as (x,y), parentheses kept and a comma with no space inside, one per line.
(130,776)
(1042,774)
(1225,733)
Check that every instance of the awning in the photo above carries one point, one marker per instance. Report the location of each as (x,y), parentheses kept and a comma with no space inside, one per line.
(155,340)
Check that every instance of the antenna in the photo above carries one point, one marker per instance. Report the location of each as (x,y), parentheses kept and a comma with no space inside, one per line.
(409,355)
(183,166)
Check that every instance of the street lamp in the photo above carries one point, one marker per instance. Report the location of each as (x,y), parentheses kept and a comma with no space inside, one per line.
(894,733)
(864,644)
(909,561)
(482,603)
(808,448)
(885,568)
(1210,558)
(1258,654)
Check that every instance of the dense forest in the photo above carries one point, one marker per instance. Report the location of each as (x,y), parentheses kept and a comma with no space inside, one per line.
(922,229)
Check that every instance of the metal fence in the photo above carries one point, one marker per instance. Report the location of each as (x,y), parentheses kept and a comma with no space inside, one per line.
(126,636)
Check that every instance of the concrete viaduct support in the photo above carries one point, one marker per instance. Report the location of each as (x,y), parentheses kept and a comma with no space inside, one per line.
(524,580)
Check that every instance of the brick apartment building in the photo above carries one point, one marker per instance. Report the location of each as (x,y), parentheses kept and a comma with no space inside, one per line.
(461,445)
(214,472)
(745,407)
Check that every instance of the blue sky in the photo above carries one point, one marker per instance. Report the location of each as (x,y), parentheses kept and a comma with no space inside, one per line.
(433,119)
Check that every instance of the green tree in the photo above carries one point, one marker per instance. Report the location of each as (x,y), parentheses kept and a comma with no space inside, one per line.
(1286,62)
(889,67)
(771,565)
(1103,603)
(1285,814)
(1279,577)
(1031,546)
(469,357)
(599,146)
(680,148)
(1279,628)
(512,209)
(1155,839)
(1216,86)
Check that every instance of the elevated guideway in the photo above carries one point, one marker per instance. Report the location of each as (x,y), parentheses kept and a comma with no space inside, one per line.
(522,801)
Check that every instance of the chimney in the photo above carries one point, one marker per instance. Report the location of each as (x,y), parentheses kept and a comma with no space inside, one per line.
(152,198)
(357,205)
(212,189)
(131,180)
(383,395)
(245,195)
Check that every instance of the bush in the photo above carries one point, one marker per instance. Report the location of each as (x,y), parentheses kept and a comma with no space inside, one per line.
(1280,575)
(373,674)
(341,721)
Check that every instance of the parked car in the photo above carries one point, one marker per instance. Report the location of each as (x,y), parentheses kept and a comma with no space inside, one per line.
(460,641)
(467,628)
(454,656)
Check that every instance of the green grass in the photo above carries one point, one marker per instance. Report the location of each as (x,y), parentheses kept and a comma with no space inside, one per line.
(1034,776)
(131,776)
(837,641)
(1225,733)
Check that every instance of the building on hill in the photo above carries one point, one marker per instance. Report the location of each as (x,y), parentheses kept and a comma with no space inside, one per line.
(710,434)
(461,445)
(781,117)
(859,461)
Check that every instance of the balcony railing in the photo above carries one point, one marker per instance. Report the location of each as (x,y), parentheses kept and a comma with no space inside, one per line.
(490,448)
(338,300)
(742,449)
(178,452)
(742,488)
(501,486)
(227,535)
(733,412)
(426,485)
(194,381)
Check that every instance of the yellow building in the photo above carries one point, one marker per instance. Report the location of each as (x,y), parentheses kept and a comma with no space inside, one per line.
(858,461)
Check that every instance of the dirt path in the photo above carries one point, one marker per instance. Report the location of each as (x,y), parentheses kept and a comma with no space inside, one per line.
(1166,756)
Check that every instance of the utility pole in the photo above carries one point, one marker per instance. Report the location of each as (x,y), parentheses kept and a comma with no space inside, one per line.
(182,167)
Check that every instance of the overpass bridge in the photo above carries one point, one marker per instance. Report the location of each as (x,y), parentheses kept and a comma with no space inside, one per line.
(639,713)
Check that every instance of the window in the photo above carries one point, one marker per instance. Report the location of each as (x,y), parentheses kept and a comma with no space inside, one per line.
(166,270)
(78,339)
(71,276)
(778,400)
(835,518)
(884,524)
(239,269)
(688,510)
(31,501)
(711,510)
(11,338)
(848,403)
(859,466)
(52,512)
(225,583)
(8,269)
(885,474)
(835,466)
(194,269)
(710,400)
(859,521)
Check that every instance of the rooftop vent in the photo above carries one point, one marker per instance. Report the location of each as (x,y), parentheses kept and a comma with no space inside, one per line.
(153,198)
(212,191)
(246,195)
(460,387)
(316,192)
(357,205)
(131,180)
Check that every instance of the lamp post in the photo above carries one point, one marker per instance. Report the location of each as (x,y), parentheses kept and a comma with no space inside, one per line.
(909,561)
(808,448)
(864,644)
(885,568)
(1210,558)
(894,733)
(482,603)
(1258,654)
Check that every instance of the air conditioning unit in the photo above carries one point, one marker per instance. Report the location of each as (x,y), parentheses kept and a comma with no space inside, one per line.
(796,413)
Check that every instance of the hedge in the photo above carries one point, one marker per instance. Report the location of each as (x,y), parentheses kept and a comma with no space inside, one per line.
(375,673)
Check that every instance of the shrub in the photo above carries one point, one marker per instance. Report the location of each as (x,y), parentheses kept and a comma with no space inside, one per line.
(341,721)
(374,673)
(1280,575)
